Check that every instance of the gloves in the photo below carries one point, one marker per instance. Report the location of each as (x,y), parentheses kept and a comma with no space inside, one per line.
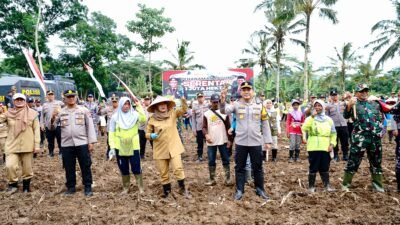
(111,154)
(153,136)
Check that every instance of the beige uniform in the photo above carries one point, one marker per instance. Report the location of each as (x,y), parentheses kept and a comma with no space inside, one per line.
(3,133)
(47,111)
(77,126)
(20,148)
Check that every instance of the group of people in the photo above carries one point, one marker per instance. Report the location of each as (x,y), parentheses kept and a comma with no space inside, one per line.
(251,124)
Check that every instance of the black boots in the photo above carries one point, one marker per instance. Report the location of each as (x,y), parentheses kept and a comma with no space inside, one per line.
(88,191)
(264,156)
(325,181)
(12,188)
(291,152)
(311,182)
(274,154)
(238,195)
(182,189)
(296,155)
(261,193)
(26,185)
(166,189)
(70,191)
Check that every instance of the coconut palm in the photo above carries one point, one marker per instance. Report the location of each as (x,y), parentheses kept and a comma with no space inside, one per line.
(345,59)
(291,8)
(183,58)
(389,36)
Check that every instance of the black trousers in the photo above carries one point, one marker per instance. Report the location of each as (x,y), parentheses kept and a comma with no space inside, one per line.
(319,161)
(350,129)
(200,143)
(50,136)
(143,140)
(241,154)
(343,138)
(70,154)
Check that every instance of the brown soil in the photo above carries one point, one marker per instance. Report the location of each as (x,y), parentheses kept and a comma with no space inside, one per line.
(285,183)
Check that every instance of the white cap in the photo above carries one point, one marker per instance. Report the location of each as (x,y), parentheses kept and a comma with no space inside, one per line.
(19,95)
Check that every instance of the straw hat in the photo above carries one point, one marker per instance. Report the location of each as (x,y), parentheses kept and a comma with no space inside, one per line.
(160,99)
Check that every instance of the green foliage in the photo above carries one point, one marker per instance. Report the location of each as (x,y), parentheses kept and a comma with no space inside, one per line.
(183,58)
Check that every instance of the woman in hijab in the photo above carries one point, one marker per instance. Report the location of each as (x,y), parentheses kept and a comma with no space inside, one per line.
(22,141)
(321,134)
(167,146)
(124,141)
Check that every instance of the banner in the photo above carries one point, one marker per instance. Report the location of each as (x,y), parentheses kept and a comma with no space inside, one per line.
(98,85)
(34,69)
(188,83)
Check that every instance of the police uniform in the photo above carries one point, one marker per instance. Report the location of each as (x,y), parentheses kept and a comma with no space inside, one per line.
(94,109)
(45,117)
(108,112)
(77,132)
(252,131)
(198,111)
(366,136)
(142,132)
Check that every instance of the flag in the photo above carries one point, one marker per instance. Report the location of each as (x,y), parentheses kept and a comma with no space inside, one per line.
(98,85)
(127,89)
(34,69)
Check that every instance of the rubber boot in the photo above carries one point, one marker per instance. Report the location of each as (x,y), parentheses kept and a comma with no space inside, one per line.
(228,181)
(26,185)
(126,181)
(325,181)
(211,181)
(291,152)
(398,181)
(377,182)
(347,178)
(296,155)
(12,188)
(182,189)
(166,190)
(264,156)
(238,195)
(274,154)
(262,194)
(139,182)
(311,182)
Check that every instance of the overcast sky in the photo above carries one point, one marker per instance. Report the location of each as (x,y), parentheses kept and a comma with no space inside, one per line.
(219,29)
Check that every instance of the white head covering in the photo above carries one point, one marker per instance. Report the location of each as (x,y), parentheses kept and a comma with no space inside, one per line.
(320,116)
(125,120)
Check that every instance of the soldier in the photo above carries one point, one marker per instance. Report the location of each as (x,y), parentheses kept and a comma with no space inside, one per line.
(142,127)
(39,110)
(49,107)
(367,133)
(3,134)
(23,140)
(252,131)
(108,112)
(197,123)
(274,123)
(335,110)
(77,139)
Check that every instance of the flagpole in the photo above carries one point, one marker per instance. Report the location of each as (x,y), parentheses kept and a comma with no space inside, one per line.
(37,40)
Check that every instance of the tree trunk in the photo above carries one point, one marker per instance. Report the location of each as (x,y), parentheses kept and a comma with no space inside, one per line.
(149,71)
(37,40)
(307,49)
(278,71)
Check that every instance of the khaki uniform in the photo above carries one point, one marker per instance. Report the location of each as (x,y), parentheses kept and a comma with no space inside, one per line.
(167,148)
(47,111)
(3,133)
(20,148)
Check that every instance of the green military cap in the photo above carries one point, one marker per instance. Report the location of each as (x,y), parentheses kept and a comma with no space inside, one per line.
(70,93)
(246,84)
(361,87)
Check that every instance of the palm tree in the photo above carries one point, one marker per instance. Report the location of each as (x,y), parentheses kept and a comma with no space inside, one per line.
(389,36)
(291,8)
(277,32)
(183,58)
(366,72)
(345,60)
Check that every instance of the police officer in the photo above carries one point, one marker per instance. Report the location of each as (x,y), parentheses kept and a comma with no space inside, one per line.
(77,139)
(142,128)
(94,109)
(198,111)
(108,112)
(366,136)
(252,131)
(49,107)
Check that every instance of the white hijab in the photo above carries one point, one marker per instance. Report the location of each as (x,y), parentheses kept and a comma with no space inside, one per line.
(125,120)
(320,116)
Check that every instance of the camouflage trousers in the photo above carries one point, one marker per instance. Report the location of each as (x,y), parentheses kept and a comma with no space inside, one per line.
(361,144)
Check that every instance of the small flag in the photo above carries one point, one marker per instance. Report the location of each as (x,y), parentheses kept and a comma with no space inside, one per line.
(34,69)
(98,85)
(127,88)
